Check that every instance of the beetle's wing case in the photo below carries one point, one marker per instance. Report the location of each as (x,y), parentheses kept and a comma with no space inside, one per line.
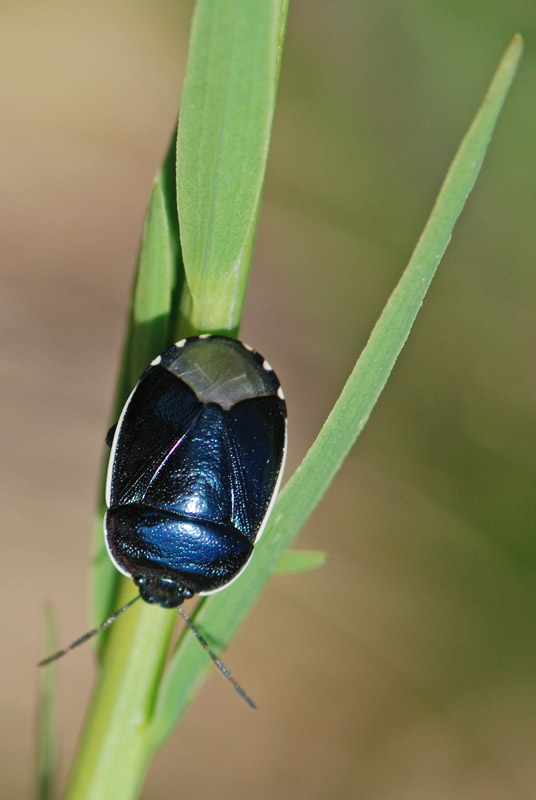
(156,417)
(256,432)
(196,460)
(245,421)
(203,435)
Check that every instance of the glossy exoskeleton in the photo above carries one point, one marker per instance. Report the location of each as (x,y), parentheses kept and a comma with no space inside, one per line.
(195,464)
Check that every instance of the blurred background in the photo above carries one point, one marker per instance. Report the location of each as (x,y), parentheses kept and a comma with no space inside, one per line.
(406,668)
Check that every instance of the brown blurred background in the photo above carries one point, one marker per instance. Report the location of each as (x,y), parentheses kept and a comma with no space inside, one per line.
(405,668)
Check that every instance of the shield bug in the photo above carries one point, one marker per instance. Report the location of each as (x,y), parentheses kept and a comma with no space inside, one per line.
(195,463)
(196,460)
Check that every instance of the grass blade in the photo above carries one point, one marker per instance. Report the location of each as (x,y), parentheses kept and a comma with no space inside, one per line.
(116,746)
(158,278)
(219,617)
(224,130)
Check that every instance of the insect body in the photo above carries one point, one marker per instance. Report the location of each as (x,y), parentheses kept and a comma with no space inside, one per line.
(195,464)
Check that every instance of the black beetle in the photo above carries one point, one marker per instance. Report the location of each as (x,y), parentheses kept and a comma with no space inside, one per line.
(195,464)
(196,460)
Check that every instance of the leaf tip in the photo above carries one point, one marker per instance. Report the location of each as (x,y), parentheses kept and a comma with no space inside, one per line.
(514,51)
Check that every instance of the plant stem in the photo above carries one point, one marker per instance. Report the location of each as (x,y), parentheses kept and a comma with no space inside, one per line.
(113,754)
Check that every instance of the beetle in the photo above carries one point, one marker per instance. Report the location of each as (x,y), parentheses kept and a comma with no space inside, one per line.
(195,464)
(196,461)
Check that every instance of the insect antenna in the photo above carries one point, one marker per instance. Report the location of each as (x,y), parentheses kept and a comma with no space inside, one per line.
(221,666)
(106,624)
(89,634)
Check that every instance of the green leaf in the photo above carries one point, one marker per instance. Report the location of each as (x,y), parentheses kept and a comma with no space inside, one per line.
(113,752)
(153,290)
(158,278)
(218,617)
(224,131)
(47,715)
(116,744)
(294,561)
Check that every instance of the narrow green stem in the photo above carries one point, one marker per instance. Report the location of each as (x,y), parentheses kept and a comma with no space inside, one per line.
(113,754)
(224,130)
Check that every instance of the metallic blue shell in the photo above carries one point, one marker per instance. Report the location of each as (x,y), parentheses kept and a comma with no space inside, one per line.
(195,463)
